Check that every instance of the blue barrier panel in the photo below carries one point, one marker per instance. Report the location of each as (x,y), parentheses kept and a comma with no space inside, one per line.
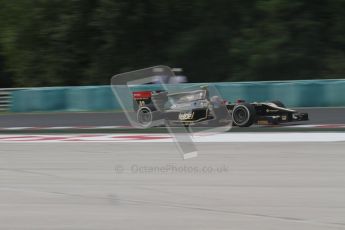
(334,93)
(90,98)
(310,94)
(39,99)
(303,93)
(285,92)
(231,92)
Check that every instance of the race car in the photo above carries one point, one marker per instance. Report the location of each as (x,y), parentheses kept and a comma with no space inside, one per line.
(195,107)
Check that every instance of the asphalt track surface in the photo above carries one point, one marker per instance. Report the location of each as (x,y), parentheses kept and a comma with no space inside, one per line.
(317,116)
(240,186)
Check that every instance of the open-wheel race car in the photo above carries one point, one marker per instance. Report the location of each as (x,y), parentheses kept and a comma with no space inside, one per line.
(197,107)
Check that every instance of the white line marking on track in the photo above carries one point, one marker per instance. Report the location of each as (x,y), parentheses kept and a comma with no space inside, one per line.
(140,138)
(65,127)
(333,126)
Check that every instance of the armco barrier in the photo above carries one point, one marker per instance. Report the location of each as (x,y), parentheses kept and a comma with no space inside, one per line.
(303,93)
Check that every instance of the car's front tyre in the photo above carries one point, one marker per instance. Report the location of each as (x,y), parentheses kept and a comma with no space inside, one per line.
(243,115)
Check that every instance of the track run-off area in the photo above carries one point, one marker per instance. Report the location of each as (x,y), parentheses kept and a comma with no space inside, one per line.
(116,185)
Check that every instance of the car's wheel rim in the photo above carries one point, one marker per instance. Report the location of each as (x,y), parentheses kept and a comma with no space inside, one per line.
(145,117)
(240,116)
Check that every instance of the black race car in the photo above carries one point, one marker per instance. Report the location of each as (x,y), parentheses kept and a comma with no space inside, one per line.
(197,107)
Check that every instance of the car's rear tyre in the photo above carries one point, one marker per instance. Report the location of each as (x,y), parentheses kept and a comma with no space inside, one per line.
(243,115)
(279,104)
(145,117)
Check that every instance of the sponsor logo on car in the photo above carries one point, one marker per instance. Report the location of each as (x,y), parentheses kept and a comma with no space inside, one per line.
(186,116)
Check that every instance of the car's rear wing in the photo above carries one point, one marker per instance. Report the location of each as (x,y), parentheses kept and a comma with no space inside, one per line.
(141,98)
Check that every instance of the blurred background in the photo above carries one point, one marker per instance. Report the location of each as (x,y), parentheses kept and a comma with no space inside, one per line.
(85,42)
